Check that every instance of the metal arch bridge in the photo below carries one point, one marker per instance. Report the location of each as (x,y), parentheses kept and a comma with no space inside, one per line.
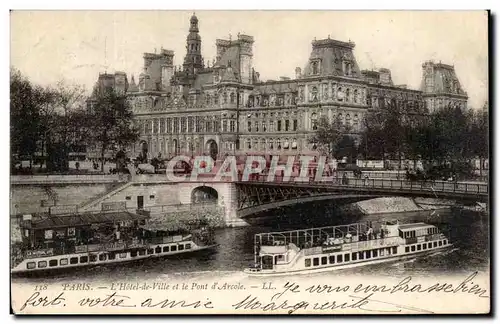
(258,195)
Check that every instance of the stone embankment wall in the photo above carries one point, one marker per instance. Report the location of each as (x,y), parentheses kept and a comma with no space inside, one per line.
(401,204)
(26,199)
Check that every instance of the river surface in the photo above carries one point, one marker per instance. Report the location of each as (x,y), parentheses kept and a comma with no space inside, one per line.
(468,231)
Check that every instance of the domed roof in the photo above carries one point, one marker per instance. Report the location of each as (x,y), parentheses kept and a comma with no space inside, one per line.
(194,19)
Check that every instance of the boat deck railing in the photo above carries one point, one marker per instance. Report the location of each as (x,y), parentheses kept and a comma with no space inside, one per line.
(102,247)
(312,236)
(372,244)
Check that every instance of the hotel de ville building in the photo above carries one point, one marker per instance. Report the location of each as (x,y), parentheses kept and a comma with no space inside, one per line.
(222,107)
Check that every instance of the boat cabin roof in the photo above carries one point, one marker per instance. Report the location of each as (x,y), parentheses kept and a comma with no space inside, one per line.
(414,226)
(75,220)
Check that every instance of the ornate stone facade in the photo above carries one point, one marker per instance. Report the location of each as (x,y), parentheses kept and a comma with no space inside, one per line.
(223,107)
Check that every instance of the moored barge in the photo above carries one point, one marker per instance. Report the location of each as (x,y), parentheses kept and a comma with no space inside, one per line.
(74,240)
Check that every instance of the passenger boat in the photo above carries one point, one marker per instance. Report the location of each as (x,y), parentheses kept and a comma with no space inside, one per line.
(339,247)
(55,242)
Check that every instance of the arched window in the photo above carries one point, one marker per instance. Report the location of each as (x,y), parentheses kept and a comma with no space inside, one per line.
(278,144)
(340,94)
(216,99)
(231,97)
(208,99)
(294,144)
(262,144)
(356,122)
(224,96)
(355,98)
(348,95)
(286,145)
(340,118)
(314,121)
(271,144)
(348,119)
(249,144)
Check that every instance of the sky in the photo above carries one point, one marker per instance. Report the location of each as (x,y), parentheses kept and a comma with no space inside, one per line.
(75,46)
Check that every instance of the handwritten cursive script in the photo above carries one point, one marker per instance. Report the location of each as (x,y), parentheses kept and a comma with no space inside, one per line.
(36,300)
(115,300)
(365,297)
(406,286)
(290,297)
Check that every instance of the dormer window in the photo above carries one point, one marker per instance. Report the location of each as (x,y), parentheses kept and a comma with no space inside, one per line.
(315,68)
(347,68)
(250,101)
(280,101)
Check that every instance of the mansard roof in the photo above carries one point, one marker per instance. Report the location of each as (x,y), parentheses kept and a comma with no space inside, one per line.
(203,78)
(445,79)
(331,54)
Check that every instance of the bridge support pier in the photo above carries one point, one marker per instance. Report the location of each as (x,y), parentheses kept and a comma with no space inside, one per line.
(229,200)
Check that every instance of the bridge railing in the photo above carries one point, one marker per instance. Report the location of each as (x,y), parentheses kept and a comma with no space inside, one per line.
(77,178)
(392,184)
(438,186)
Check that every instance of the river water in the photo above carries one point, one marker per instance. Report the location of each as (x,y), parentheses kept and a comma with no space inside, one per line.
(468,231)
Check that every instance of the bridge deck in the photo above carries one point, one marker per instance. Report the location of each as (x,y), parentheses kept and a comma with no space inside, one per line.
(386,185)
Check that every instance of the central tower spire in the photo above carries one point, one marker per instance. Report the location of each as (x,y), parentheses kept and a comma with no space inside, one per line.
(193,61)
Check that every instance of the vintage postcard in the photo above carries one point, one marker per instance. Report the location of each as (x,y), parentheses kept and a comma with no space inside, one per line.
(249,162)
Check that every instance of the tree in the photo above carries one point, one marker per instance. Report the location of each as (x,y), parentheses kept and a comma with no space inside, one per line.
(49,122)
(385,130)
(373,138)
(394,129)
(345,147)
(334,139)
(478,136)
(111,122)
(25,102)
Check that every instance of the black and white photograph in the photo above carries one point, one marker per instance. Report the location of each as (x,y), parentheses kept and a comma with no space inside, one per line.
(264,162)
